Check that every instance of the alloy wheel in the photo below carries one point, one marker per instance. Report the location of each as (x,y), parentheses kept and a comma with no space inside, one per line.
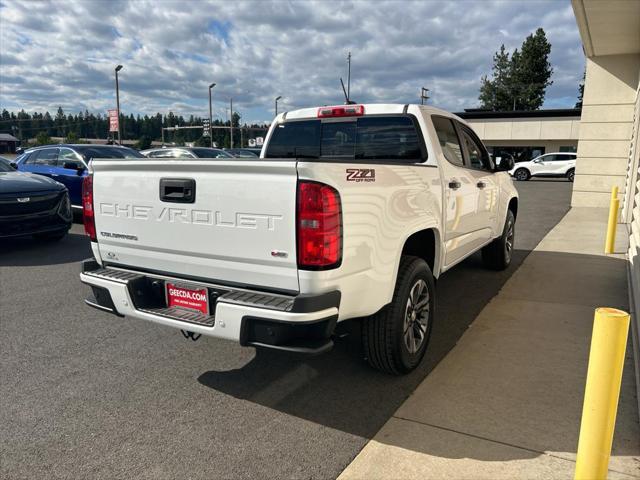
(509,241)
(416,318)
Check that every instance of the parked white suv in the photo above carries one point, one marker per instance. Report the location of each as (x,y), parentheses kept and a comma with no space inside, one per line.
(547,165)
(350,213)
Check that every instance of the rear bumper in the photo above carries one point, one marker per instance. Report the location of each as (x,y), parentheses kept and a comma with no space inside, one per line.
(302,323)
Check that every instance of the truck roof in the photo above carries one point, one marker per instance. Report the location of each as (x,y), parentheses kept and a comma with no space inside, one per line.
(369,109)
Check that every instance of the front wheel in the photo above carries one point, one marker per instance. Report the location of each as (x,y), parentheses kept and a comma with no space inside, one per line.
(497,255)
(396,338)
(522,174)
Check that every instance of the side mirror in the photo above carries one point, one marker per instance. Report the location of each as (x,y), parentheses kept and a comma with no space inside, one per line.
(13,165)
(506,164)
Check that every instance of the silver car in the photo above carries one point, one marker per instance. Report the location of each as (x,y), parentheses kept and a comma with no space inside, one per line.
(186,152)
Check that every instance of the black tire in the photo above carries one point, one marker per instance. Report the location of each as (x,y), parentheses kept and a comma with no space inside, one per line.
(521,174)
(51,236)
(384,336)
(497,255)
(570,174)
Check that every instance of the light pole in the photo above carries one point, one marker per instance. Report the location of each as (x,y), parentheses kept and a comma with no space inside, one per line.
(277,98)
(210,116)
(118,68)
(424,95)
(231,122)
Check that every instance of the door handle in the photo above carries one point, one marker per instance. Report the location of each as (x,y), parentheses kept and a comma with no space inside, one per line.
(481,185)
(454,184)
(177,190)
(55,175)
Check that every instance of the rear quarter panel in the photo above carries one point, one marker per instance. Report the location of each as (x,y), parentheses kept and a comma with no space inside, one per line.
(380,211)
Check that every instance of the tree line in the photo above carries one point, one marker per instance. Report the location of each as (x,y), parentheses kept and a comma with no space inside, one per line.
(40,127)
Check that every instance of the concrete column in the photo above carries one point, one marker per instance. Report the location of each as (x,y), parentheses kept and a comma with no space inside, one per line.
(606,127)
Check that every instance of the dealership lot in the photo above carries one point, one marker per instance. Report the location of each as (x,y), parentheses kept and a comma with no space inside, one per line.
(87,394)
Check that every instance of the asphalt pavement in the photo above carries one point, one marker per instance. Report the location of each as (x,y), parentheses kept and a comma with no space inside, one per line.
(84,394)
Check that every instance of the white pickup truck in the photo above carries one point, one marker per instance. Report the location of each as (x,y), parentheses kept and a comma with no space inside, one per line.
(351,212)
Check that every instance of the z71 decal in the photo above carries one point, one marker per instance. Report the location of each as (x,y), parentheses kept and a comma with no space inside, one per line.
(361,175)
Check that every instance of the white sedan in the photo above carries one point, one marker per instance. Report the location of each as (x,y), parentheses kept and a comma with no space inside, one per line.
(547,165)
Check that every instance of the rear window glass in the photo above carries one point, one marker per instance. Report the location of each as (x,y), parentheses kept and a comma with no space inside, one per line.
(364,138)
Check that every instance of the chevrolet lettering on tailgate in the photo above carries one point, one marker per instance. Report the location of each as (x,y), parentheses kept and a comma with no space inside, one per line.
(193,216)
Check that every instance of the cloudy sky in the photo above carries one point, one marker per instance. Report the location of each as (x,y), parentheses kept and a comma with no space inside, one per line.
(63,53)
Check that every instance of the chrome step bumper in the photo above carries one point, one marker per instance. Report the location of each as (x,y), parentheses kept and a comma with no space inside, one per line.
(302,323)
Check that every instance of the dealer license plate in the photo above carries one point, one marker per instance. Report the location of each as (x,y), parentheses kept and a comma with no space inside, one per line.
(187,297)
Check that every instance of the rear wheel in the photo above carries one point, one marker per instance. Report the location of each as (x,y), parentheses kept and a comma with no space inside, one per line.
(497,255)
(396,338)
(522,174)
(570,174)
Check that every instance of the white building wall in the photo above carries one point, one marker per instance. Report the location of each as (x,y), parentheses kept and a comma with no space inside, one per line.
(605,129)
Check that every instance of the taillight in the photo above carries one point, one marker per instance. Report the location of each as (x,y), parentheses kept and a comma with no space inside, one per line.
(88,216)
(341,111)
(319,227)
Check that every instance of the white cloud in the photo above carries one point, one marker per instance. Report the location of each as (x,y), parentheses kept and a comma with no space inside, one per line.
(254,51)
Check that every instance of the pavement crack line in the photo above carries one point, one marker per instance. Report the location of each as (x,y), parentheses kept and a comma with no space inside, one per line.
(506,444)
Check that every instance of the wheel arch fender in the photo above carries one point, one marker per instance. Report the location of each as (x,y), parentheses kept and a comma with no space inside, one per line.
(425,243)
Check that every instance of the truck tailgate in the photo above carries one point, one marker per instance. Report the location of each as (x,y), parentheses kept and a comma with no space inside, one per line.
(239,227)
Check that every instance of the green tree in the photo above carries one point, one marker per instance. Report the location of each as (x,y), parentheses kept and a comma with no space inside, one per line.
(43,138)
(72,137)
(581,90)
(531,72)
(519,82)
(143,143)
(495,93)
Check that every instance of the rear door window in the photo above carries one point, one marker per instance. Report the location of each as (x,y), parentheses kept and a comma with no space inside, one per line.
(68,156)
(45,157)
(373,138)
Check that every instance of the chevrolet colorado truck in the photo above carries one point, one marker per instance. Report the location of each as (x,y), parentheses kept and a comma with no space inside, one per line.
(351,212)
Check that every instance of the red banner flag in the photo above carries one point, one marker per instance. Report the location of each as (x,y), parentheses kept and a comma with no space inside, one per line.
(113,120)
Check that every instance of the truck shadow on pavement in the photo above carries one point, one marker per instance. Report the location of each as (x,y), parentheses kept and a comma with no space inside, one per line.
(339,389)
(30,252)
(502,401)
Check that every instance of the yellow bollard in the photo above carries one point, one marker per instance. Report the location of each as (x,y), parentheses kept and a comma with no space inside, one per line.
(604,375)
(614,205)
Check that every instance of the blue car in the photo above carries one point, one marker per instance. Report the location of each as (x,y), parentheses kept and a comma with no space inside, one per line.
(67,164)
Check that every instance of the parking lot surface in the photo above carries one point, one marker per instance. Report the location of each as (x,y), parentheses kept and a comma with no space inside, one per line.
(88,395)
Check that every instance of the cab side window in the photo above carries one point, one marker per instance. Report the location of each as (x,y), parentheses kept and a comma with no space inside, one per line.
(448,139)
